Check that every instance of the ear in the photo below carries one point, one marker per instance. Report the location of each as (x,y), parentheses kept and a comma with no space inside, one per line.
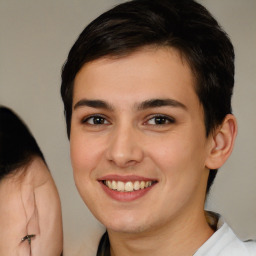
(222,143)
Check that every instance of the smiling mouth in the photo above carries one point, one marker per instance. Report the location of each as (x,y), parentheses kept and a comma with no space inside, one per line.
(128,186)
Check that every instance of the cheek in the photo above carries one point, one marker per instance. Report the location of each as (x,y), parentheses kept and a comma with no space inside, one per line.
(179,159)
(170,153)
(80,164)
(85,157)
(80,152)
(182,171)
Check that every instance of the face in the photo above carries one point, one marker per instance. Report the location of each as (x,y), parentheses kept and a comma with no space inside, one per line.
(23,200)
(138,144)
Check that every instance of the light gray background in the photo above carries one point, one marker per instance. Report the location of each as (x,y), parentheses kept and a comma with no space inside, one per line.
(35,37)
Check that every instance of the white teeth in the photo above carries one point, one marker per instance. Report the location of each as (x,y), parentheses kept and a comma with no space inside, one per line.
(148,184)
(114,185)
(136,185)
(120,186)
(128,186)
(109,183)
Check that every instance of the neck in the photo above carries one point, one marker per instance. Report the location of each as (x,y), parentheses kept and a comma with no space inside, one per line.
(172,239)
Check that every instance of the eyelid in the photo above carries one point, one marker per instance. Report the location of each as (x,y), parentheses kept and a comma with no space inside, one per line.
(85,119)
(170,119)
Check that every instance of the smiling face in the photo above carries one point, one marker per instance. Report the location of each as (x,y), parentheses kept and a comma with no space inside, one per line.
(138,144)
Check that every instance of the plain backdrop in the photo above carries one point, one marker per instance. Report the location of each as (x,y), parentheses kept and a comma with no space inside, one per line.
(35,37)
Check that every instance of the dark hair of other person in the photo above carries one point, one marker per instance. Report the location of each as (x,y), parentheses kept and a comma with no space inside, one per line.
(17,145)
(180,24)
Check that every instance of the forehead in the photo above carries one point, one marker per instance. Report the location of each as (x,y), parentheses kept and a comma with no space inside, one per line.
(149,71)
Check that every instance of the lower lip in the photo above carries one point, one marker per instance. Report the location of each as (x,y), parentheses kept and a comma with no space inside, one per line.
(126,196)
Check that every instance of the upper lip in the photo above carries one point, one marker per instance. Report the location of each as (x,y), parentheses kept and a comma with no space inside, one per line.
(125,178)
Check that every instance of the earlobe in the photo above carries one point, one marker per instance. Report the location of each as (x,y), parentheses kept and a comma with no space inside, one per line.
(222,143)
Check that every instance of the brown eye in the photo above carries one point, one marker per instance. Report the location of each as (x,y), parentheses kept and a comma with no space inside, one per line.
(95,120)
(160,120)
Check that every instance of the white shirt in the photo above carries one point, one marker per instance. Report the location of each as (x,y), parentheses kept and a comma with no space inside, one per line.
(225,243)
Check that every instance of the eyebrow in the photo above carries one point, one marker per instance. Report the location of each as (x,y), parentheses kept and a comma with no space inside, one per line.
(152,103)
(93,104)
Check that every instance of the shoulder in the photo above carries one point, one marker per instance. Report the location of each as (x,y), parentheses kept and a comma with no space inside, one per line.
(251,247)
(237,247)
(224,242)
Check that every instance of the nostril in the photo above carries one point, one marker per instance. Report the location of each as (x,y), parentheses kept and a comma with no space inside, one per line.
(125,157)
(124,147)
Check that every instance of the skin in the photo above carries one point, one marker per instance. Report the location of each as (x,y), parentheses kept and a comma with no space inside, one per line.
(121,137)
(30,204)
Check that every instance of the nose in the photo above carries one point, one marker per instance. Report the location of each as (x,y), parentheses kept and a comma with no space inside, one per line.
(125,148)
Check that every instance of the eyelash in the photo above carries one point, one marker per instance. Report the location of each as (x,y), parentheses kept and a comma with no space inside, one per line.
(162,120)
(167,120)
(94,117)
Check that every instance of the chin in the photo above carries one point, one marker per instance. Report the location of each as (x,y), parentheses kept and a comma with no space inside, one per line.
(127,224)
(126,229)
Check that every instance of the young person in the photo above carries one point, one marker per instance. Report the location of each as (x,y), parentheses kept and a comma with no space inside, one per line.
(147,92)
(30,211)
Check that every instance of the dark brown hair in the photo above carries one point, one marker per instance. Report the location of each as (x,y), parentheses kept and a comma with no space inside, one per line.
(17,145)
